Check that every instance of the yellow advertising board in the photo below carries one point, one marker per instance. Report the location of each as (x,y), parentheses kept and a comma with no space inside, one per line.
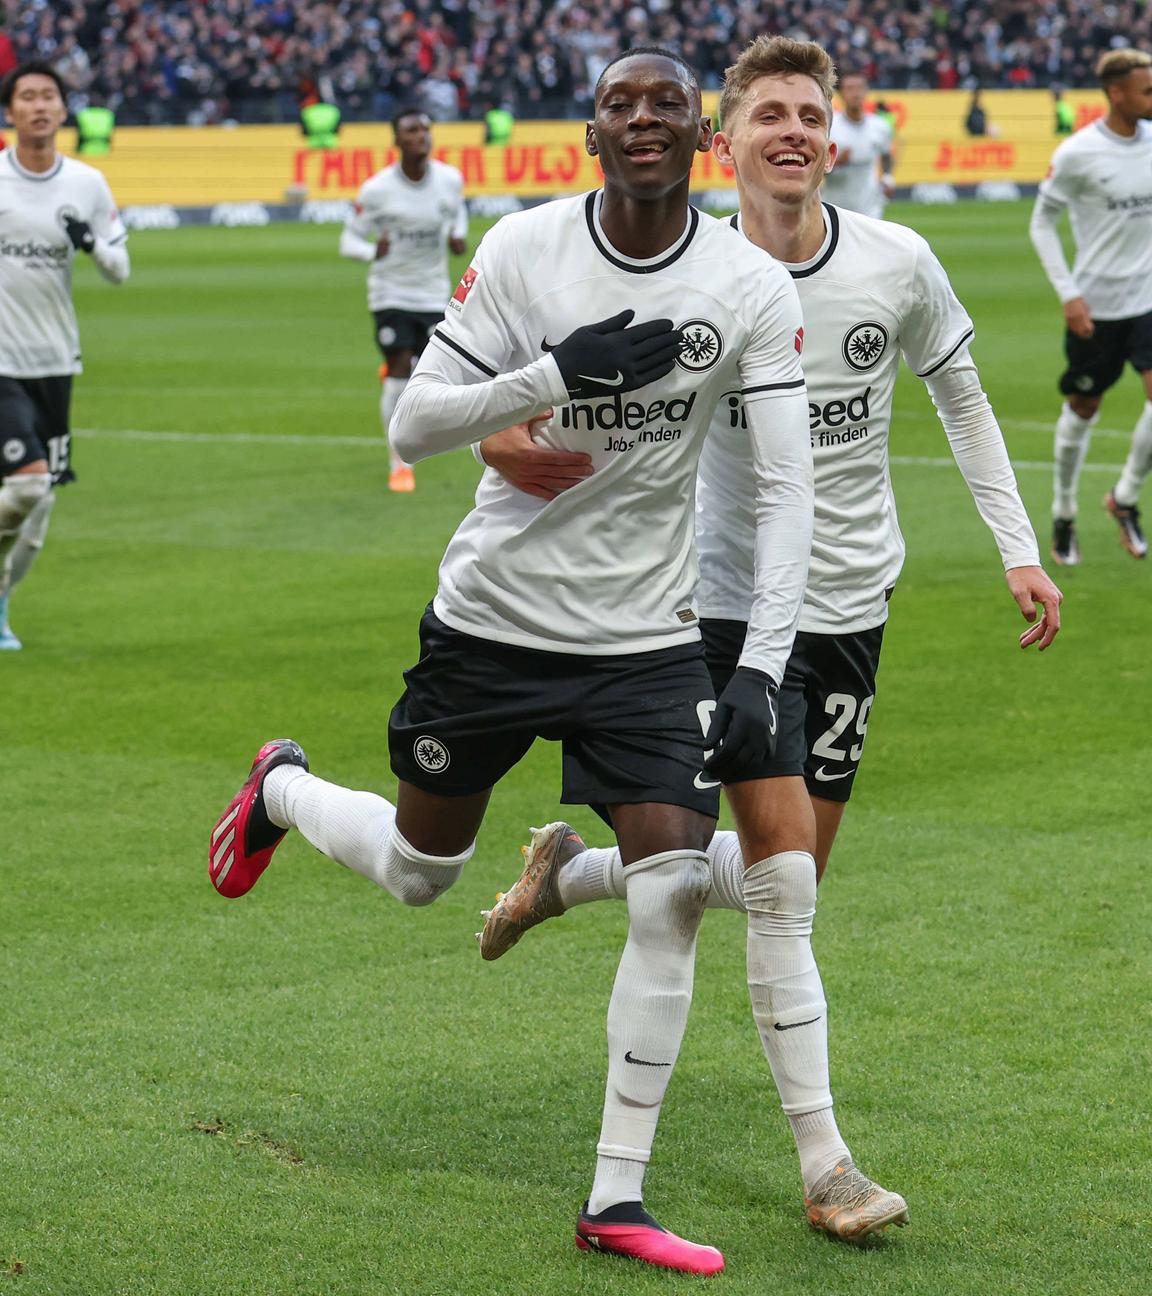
(187,166)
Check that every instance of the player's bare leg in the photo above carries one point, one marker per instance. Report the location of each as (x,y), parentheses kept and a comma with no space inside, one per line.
(666,876)
(1073,434)
(828,817)
(399,369)
(1122,501)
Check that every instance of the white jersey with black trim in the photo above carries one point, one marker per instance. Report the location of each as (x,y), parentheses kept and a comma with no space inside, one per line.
(39,337)
(854,182)
(875,290)
(1105,182)
(609,566)
(419,217)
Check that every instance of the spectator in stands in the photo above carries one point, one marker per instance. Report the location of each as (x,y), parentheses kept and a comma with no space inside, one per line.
(210,60)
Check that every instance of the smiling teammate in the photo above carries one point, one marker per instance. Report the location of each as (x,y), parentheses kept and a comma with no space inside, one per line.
(575,622)
(51,207)
(406,220)
(870,291)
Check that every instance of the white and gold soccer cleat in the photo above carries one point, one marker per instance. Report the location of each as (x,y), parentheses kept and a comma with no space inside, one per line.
(849,1206)
(534,896)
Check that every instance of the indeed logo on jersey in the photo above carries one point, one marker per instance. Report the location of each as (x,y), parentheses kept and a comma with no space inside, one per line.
(838,422)
(620,415)
(1141,203)
(53,255)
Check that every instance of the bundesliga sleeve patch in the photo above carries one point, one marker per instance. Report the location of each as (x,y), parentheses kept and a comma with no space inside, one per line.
(799,341)
(463,288)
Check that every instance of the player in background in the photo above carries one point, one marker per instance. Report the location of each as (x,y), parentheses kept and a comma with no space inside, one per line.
(51,207)
(1102,176)
(575,621)
(870,291)
(862,181)
(406,220)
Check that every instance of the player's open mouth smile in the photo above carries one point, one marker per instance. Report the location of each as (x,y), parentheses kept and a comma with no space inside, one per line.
(789,161)
(646,151)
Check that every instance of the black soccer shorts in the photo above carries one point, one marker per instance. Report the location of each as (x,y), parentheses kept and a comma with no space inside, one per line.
(402,330)
(631,726)
(825,699)
(1095,363)
(34,425)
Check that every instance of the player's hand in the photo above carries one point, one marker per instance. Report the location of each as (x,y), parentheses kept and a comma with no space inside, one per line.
(743,730)
(457,246)
(79,233)
(1029,586)
(534,469)
(887,184)
(1078,318)
(383,245)
(608,357)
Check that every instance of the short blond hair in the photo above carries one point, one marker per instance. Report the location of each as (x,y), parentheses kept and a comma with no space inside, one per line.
(1117,63)
(777,56)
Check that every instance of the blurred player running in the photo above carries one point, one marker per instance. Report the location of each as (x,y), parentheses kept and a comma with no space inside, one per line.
(406,220)
(574,621)
(870,291)
(1102,176)
(862,181)
(51,207)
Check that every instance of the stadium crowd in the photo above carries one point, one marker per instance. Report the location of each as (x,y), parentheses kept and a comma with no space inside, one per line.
(194,61)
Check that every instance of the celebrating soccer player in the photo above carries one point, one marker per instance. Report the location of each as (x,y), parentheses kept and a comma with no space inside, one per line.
(1102,175)
(51,207)
(631,316)
(405,221)
(871,291)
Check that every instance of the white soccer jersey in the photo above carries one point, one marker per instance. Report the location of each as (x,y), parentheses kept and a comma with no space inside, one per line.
(855,183)
(609,566)
(874,291)
(1105,182)
(39,337)
(419,218)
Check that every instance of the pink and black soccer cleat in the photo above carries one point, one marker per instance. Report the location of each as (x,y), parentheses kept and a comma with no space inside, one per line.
(244,838)
(627,1229)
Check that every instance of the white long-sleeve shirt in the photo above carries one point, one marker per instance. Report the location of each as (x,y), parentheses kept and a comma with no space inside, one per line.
(39,335)
(609,567)
(873,292)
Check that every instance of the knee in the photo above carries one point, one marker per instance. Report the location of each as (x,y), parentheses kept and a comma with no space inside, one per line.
(782,889)
(19,495)
(1084,407)
(421,889)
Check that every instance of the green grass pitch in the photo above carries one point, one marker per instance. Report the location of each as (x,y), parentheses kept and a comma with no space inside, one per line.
(314,1090)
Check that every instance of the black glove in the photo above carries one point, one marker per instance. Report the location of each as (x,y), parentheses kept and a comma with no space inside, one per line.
(80,232)
(743,730)
(608,357)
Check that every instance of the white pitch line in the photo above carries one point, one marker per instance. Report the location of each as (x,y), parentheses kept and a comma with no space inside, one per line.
(378,443)
(233,438)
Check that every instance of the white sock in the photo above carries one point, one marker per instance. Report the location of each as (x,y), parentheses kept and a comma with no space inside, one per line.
(20,495)
(600,875)
(647,1014)
(30,540)
(358,830)
(389,395)
(1073,434)
(1139,461)
(592,875)
(788,1001)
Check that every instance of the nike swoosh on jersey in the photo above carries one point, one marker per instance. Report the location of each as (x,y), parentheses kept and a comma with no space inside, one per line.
(821,777)
(614,381)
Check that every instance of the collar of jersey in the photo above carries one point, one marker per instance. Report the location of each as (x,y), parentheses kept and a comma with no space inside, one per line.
(25,174)
(802,269)
(631,264)
(1125,141)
